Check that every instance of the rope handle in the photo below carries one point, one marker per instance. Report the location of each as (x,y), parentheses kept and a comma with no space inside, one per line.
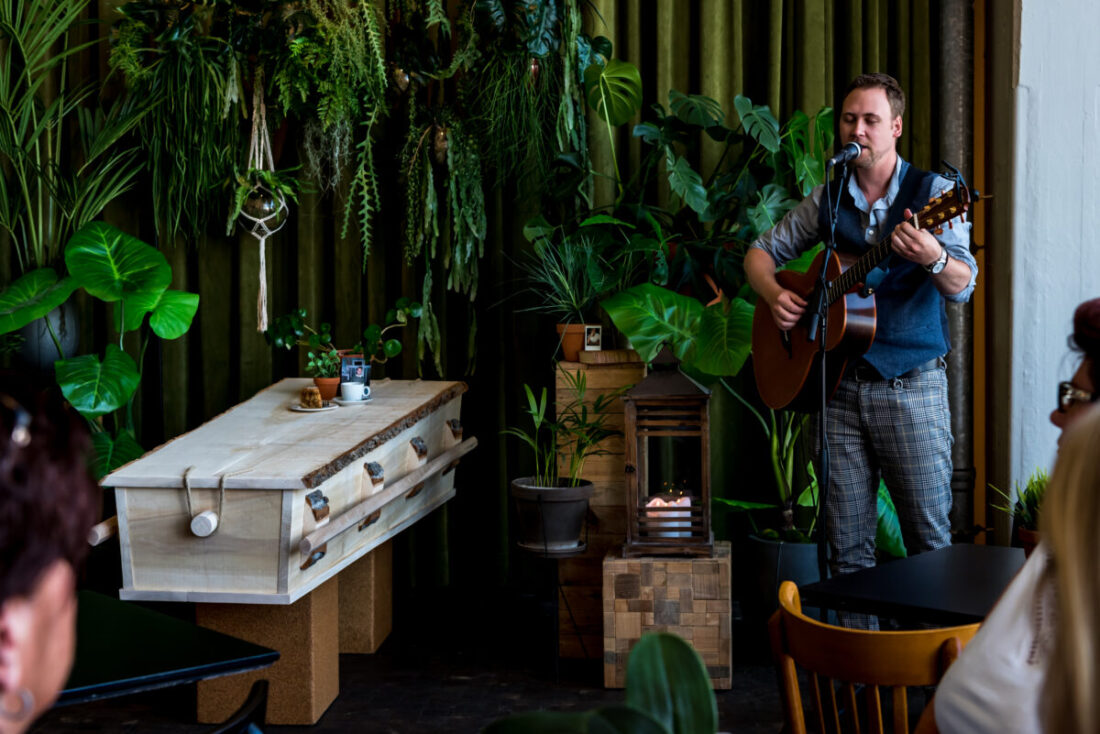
(206,523)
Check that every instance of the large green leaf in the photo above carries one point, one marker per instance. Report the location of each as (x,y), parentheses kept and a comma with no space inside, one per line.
(31,297)
(888,530)
(651,316)
(614,90)
(174,313)
(96,388)
(111,453)
(666,678)
(773,204)
(695,109)
(725,338)
(823,132)
(686,183)
(758,122)
(111,264)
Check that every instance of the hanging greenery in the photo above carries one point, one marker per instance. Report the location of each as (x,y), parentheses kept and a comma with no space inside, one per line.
(177,56)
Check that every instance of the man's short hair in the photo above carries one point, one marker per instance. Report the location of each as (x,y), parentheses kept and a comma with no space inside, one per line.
(894,94)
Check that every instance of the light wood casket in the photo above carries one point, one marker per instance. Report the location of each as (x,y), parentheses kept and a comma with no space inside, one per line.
(301,495)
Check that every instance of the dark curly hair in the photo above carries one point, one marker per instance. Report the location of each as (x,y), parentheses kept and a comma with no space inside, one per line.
(48,499)
(1086,337)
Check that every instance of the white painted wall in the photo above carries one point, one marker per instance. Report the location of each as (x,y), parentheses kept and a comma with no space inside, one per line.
(1056,216)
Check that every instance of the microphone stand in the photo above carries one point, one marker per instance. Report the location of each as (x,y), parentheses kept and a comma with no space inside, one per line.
(819,320)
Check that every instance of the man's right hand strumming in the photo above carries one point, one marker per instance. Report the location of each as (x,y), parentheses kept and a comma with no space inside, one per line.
(787,309)
(786,306)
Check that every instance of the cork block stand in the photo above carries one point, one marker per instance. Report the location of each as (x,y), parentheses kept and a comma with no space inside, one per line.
(687,597)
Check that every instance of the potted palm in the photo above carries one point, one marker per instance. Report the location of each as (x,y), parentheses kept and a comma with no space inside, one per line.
(556,273)
(1024,509)
(552,504)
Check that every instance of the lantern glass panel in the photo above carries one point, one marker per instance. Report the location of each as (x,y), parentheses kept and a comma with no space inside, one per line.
(673,466)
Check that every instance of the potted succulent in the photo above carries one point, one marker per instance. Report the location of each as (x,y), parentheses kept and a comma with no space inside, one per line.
(1025,508)
(324,360)
(553,503)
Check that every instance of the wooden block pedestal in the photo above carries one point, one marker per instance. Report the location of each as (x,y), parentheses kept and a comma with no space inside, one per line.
(352,612)
(687,597)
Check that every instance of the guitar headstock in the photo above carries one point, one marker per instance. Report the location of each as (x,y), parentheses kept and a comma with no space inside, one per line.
(944,208)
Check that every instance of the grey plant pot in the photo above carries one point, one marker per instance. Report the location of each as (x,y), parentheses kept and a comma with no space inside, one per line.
(39,351)
(551,519)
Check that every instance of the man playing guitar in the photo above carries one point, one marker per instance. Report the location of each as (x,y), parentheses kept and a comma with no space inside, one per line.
(890,415)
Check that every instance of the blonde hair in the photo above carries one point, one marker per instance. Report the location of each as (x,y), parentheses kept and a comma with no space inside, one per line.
(1070,527)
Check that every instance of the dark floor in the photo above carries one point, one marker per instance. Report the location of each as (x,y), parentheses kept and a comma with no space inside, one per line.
(442,671)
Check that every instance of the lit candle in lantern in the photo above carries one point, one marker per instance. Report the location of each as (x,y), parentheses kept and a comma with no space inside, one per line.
(660,511)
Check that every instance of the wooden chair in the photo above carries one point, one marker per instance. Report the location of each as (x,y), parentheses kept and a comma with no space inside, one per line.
(838,660)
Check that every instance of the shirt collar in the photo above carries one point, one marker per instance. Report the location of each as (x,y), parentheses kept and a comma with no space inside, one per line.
(891,190)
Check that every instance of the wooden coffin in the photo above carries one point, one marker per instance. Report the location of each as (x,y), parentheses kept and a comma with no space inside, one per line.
(295,496)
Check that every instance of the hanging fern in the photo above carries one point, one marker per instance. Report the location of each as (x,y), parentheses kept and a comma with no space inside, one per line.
(466,199)
(190,136)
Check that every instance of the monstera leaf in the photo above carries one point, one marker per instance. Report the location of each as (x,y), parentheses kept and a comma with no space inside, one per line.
(758,122)
(111,453)
(613,90)
(31,297)
(686,183)
(112,265)
(96,388)
(695,109)
(652,316)
(773,203)
(666,678)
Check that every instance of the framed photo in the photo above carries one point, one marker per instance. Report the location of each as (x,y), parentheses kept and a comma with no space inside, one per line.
(354,368)
(593,338)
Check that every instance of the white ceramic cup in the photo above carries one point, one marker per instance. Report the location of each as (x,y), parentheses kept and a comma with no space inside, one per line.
(352,390)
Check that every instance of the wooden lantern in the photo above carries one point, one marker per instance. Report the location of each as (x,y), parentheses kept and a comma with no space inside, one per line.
(667,463)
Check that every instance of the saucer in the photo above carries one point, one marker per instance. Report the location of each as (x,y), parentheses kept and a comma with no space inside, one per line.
(341,401)
(299,408)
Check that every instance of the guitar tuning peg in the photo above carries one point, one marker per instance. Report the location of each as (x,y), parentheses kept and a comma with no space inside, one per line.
(951,225)
(937,231)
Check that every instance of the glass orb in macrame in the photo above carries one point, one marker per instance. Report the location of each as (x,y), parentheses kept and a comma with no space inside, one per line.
(263,213)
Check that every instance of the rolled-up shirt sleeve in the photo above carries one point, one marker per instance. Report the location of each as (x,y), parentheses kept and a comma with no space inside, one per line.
(795,233)
(956,239)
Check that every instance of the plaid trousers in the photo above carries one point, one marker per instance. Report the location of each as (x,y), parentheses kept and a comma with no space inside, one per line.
(899,429)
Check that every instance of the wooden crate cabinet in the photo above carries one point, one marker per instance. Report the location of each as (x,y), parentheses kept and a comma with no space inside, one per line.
(307,504)
(689,597)
(582,576)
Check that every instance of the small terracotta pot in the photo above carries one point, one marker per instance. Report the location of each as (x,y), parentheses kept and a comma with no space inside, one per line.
(1028,539)
(328,386)
(572,341)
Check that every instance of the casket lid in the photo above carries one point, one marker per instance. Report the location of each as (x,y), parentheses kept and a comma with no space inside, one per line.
(262,444)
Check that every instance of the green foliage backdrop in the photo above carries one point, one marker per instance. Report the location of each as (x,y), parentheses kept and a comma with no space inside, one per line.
(789,55)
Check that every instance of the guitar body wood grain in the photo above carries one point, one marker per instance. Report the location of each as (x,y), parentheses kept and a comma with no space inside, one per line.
(787,371)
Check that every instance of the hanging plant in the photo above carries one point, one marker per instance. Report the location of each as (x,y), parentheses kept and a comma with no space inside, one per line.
(176,56)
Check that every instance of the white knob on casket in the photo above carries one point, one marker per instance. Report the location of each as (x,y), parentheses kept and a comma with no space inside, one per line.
(204,523)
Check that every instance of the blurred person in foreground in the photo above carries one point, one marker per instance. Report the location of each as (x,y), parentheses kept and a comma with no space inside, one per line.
(1034,665)
(48,502)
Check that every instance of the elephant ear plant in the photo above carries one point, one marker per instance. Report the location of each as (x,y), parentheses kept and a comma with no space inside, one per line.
(131,275)
(667,692)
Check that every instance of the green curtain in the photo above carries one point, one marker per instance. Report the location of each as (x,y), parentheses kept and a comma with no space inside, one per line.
(790,54)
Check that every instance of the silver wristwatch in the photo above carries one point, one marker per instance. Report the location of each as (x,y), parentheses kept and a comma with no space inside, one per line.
(939,264)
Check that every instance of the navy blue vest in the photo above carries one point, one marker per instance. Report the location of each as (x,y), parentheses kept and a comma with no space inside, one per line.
(911,323)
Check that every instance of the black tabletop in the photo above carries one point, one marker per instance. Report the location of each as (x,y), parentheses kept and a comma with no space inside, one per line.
(958,584)
(124,648)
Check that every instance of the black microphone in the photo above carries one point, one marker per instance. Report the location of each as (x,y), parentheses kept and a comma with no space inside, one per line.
(849,152)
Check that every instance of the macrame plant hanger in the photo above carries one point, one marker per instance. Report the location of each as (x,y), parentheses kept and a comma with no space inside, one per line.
(264,212)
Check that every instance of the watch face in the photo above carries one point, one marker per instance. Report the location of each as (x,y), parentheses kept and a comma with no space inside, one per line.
(940,264)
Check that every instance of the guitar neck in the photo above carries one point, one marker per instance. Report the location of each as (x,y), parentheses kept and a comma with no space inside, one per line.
(859,270)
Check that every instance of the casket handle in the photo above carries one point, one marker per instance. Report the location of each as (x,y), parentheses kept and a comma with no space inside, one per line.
(361,511)
(100,532)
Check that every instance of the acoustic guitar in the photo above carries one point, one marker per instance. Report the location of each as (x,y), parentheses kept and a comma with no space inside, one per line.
(786,364)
